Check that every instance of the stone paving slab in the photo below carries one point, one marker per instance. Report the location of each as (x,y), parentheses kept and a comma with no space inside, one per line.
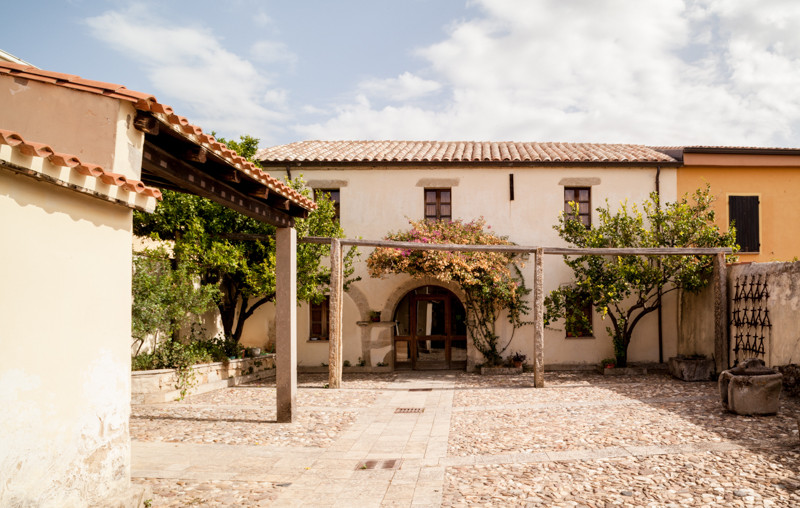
(584,440)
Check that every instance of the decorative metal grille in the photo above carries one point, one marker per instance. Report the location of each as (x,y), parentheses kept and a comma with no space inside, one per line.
(750,317)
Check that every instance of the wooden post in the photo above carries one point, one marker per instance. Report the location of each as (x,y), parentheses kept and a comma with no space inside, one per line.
(335,317)
(286,322)
(720,281)
(538,322)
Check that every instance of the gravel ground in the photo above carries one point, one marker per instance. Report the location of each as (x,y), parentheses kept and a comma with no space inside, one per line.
(494,418)
(179,493)
(741,478)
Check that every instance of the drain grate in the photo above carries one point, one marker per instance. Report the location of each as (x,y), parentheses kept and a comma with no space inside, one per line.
(420,389)
(379,464)
(409,410)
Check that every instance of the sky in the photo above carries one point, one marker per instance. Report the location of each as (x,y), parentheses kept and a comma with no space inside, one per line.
(656,72)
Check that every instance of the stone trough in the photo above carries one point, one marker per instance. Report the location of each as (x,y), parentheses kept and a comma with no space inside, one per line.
(751,388)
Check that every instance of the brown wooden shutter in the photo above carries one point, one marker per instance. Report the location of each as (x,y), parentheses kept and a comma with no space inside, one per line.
(743,212)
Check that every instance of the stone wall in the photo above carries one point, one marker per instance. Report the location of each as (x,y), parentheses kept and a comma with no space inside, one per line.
(152,386)
(777,305)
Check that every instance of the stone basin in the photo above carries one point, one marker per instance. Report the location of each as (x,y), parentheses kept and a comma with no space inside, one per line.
(751,388)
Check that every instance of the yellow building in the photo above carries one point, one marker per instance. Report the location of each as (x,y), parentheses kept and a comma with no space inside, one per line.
(756,188)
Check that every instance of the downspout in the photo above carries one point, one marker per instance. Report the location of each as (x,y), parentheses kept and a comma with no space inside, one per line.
(660,330)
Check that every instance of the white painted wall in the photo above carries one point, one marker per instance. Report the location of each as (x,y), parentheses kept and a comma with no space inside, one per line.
(64,345)
(376,200)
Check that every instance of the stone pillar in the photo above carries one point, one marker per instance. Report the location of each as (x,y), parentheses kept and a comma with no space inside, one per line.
(538,322)
(720,282)
(286,322)
(335,317)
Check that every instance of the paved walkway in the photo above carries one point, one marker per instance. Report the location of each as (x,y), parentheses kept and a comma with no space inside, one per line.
(454,439)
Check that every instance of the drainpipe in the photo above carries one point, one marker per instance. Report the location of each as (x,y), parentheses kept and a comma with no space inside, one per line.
(660,330)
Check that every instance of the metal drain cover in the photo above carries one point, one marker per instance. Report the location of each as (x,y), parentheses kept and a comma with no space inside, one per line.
(420,389)
(409,410)
(379,464)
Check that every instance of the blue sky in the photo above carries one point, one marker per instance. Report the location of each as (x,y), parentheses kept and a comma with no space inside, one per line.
(660,72)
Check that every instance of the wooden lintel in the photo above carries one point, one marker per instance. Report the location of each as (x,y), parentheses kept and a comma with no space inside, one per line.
(146,123)
(195,154)
(163,165)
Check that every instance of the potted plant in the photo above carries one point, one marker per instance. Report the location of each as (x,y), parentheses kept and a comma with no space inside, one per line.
(375,316)
(608,363)
(517,358)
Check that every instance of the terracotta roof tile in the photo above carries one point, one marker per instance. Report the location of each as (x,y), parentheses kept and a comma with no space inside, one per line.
(34,149)
(461,151)
(147,102)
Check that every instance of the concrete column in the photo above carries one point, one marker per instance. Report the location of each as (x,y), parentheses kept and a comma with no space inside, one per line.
(538,321)
(720,282)
(335,317)
(286,322)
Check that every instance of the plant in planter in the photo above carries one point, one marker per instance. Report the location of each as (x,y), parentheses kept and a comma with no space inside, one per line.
(374,316)
(517,359)
(608,363)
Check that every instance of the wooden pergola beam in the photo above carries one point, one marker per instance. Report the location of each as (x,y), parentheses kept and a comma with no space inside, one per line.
(163,165)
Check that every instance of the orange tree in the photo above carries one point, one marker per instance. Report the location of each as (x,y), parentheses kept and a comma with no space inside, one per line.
(627,288)
(491,281)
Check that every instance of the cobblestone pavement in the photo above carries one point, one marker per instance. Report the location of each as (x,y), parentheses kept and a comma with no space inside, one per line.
(583,440)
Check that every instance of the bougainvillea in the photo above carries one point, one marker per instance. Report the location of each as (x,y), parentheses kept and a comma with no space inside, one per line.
(491,281)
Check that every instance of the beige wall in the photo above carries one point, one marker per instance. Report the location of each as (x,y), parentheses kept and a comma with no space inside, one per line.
(64,354)
(97,129)
(378,200)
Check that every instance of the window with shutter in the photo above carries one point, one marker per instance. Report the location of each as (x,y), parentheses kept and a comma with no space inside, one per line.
(437,204)
(319,320)
(743,213)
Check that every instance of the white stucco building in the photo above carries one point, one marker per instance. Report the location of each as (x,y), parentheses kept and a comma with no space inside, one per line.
(519,188)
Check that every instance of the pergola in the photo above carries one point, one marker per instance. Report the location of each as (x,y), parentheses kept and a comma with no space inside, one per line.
(178,156)
(337,280)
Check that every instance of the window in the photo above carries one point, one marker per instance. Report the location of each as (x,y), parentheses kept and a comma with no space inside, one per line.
(582,196)
(333,195)
(319,320)
(580,324)
(437,204)
(743,213)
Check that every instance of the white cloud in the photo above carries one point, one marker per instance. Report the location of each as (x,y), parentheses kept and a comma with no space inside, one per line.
(223,91)
(648,71)
(405,87)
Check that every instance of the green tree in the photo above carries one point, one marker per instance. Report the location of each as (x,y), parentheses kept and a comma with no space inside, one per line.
(165,297)
(627,288)
(242,270)
(491,281)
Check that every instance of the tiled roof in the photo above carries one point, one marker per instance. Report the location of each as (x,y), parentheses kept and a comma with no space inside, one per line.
(147,102)
(460,151)
(42,150)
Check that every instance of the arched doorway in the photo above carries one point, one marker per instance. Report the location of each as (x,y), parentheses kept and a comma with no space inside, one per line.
(430,330)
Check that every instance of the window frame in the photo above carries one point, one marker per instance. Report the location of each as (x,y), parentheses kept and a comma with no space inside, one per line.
(438,203)
(335,195)
(324,311)
(576,199)
(587,311)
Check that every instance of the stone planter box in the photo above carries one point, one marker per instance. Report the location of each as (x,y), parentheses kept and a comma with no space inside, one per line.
(153,386)
(689,368)
(751,389)
(500,371)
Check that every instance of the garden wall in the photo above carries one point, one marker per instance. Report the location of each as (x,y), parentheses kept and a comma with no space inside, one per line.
(153,386)
(763,305)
